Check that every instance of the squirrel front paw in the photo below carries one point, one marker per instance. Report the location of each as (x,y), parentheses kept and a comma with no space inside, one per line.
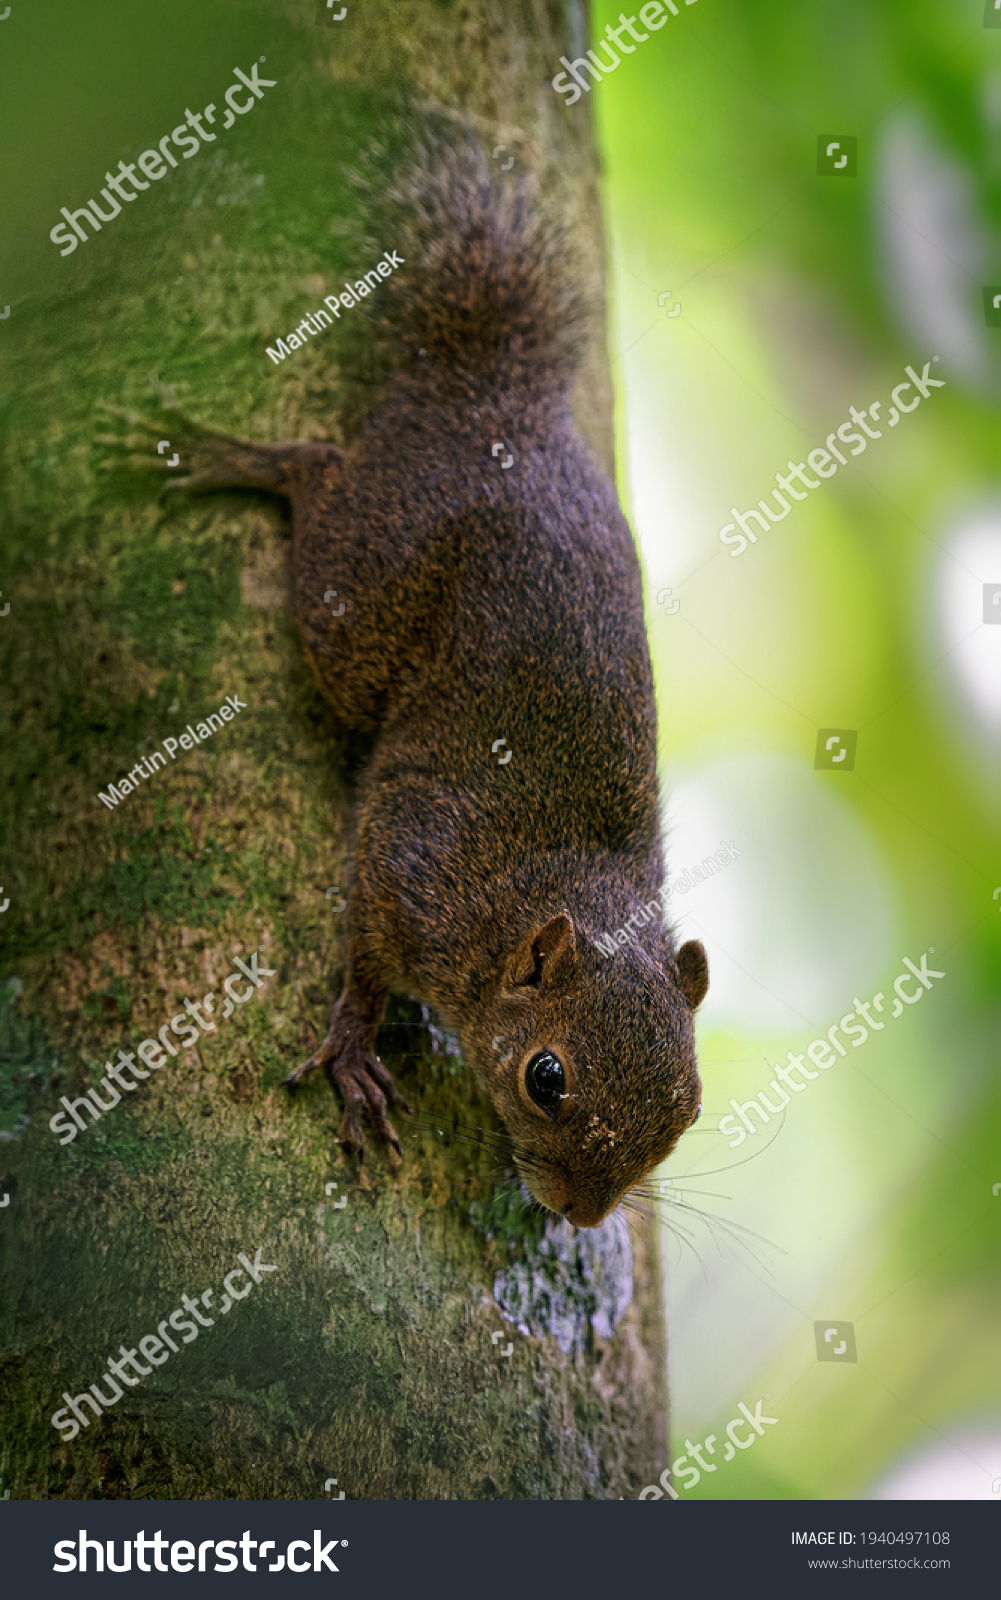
(360,1079)
(365,1081)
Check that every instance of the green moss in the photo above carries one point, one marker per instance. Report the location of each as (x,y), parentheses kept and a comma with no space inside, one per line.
(26,1058)
(158,873)
(152,576)
(508,1218)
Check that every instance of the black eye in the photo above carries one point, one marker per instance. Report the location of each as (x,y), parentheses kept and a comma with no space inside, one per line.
(696,1116)
(545,1081)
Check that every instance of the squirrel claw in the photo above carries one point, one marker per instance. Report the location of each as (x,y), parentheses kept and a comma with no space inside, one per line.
(351,1137)
(361,1079)
(295,1077)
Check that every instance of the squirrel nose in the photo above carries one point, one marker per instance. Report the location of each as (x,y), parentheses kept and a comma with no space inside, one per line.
(586,1213)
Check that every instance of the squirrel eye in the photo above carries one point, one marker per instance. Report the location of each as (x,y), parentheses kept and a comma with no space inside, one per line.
(696,1116)
(545,1081)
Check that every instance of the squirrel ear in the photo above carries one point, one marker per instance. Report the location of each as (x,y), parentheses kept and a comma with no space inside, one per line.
(546,957)
(693,972)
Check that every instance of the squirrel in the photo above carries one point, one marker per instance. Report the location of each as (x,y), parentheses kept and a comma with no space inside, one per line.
(490,636)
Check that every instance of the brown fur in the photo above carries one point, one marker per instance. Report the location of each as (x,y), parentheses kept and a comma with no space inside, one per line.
(485,604)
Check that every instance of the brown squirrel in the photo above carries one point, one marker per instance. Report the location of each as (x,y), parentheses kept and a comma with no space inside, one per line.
(486,607)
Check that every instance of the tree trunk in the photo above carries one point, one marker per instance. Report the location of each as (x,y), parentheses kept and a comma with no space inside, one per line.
(421,1335)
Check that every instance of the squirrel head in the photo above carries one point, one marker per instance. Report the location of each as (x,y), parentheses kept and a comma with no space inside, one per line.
(597,1080)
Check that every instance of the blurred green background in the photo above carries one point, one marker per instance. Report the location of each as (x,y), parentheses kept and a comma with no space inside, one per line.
(802,295)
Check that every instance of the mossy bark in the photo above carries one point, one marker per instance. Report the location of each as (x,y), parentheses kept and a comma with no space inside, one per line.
(369,1355)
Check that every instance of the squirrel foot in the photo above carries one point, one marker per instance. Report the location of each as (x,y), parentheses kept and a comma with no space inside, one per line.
(189,437)
(360,1079)
(211,460)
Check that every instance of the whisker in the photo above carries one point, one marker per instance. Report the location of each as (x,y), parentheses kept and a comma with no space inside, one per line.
(736,1227)
(631,1225)
(672,1225)
(651,1194)
(666,1211)
(712,1172)
(738,1237)
(681,1235)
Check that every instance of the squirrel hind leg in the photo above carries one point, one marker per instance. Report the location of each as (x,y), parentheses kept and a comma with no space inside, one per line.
(238,464)
(208,459)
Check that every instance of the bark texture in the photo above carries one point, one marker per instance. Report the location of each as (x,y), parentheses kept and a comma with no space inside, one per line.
(421,1336)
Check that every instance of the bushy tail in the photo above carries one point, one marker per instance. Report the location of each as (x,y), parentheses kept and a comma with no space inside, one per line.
(489,284)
